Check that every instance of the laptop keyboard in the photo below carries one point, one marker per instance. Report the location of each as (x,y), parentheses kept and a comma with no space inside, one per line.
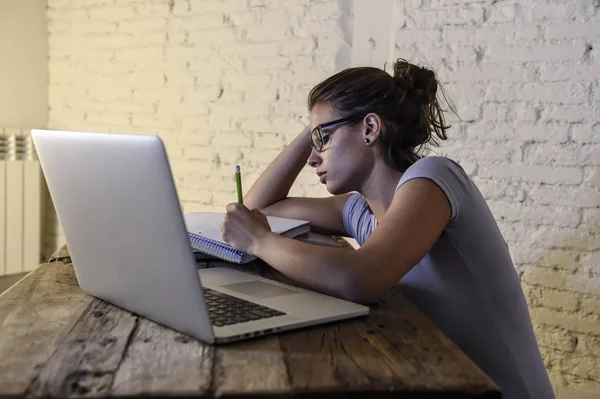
(225,310)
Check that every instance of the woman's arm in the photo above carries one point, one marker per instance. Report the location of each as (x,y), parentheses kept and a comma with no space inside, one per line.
(274,183)
(413,223)
(269,192)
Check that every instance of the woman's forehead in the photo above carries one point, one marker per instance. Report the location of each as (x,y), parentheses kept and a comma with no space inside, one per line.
(322,113)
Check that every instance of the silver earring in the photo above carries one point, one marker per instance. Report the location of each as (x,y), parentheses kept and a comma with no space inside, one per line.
(367,141)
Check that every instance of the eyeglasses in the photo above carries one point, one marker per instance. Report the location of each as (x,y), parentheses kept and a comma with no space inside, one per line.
(319,138)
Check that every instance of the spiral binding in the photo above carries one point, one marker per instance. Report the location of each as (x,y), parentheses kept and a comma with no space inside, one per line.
(215,248)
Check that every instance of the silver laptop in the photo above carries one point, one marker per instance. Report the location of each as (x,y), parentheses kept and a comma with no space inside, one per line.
(116,201)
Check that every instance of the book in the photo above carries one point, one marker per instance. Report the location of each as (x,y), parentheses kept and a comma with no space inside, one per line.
(318,239)
(206,240)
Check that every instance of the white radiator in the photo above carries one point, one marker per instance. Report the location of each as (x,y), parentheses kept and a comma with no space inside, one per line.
(20,205)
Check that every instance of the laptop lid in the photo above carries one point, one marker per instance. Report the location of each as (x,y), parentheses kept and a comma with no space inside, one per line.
(116,201)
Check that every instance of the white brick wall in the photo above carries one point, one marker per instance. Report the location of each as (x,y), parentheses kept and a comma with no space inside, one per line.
(524,78)
(225,82)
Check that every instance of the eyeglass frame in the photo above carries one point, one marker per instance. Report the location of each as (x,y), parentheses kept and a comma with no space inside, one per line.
(319,129)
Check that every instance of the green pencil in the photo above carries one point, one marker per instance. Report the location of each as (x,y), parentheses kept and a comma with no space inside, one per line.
(238,184)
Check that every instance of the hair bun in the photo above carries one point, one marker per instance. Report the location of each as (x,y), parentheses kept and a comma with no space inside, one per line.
(420,82)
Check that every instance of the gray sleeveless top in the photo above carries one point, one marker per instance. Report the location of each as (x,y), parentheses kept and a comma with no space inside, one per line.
(467,283)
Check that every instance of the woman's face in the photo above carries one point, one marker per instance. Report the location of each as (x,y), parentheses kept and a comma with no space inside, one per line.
(345,159)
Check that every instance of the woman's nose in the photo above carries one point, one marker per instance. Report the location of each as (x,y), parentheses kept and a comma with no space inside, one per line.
(314,158)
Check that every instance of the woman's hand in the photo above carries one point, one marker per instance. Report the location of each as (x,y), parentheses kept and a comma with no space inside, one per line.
(243,228)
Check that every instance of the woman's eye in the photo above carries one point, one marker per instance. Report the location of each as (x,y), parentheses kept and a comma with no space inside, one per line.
(325,139)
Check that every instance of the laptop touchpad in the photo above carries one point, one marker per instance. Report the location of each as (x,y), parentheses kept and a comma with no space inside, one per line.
(259,289)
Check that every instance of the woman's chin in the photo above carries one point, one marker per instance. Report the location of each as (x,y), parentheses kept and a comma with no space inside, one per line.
(333,190)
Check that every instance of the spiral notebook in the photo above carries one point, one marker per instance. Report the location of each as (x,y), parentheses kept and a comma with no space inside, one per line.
(204,231)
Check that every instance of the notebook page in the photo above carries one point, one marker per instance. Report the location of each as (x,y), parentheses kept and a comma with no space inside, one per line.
(208,224)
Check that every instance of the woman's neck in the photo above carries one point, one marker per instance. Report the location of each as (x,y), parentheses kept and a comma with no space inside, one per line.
(379,189)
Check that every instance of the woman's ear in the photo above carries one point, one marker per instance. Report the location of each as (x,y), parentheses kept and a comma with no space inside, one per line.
(374,125)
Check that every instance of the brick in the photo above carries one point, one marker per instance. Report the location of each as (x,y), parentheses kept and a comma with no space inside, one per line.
(323,11)
(197,22)
(537,53)
(541,276)
(565,30)
(572,71)
(152,10)
(188,53)
(153,122)
(108,119)
(586,134)
(584,197)
(492,72)
(503,14)
(495,112)
(116,14)
(535,215)
(565,113)
(557,299)
(460,16)
(566,93)
(59,16)
(482,150)
(590,305)
(211,37)
(496,188)
(143,25)
(302,62)
(129,107)
(240,110)
(196,195)
(477,36)
(261,33)
(591,176)
(584,366)
(565,154)
(564,320)
(206,6)
(267,63)
(187,109)
(180,8)
(533,173)
(174,80)
(236,140)
(243,18)
(527,33)
(267,141)
(273,125)
(62,4)
(209,93)
(565,238)
(583,283)
(103,93)
(147,54)
(94,27)
(198,152)
(551,11)
(564,259)
(126,41)
(556,338)
(262,157)
(419,36)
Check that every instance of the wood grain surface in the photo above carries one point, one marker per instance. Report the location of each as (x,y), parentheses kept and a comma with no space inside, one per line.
(56,341)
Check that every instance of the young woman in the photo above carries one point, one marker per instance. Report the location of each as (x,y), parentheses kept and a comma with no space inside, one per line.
(420,221)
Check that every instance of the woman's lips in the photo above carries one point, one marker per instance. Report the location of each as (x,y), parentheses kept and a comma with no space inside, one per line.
(323,177)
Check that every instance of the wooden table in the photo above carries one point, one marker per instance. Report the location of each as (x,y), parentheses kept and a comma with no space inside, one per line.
(57,341)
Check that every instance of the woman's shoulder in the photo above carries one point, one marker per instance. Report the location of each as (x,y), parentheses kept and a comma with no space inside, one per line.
(436,162)
(435,167)
(448,175)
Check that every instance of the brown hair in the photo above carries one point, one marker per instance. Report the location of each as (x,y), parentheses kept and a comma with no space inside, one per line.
(406,103)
